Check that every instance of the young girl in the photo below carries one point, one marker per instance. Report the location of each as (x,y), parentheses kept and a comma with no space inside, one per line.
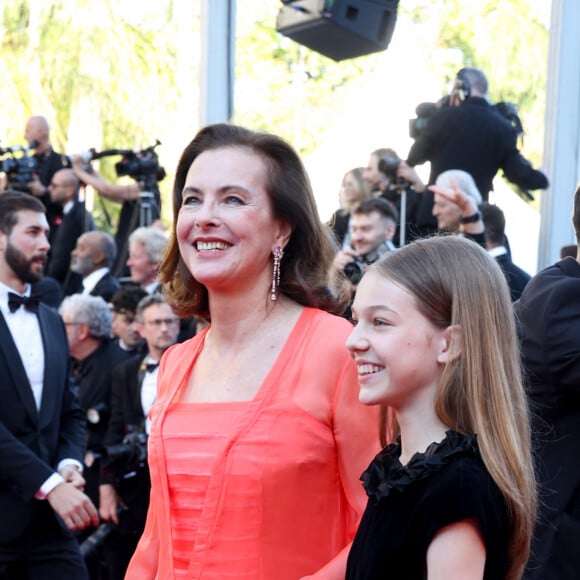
(435,345)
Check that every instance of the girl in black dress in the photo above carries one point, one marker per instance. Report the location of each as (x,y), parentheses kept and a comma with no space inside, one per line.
(453,495)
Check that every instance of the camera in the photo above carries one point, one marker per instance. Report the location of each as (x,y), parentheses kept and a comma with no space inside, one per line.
(19,170)
(388,166)
(424,112)
(91,547)
(128,457)
(354,271)
(140,164)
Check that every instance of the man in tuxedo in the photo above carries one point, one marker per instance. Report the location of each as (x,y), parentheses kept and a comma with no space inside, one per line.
(42,427)
(494,224)
(76,220)
(92,258)
(125,483)
(87,320)
(124,307)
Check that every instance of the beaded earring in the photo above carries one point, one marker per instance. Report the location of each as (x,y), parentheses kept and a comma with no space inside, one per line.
(278,253)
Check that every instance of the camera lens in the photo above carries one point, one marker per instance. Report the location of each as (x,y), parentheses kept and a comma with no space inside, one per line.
(353,272)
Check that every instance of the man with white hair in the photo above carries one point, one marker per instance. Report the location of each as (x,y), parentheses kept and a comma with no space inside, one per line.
(87,321)
(456,205)
(146,249)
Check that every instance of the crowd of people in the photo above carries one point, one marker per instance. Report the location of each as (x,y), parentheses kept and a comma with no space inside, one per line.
(268,396)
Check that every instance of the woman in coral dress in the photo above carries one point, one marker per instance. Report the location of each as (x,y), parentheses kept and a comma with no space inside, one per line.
(257,436)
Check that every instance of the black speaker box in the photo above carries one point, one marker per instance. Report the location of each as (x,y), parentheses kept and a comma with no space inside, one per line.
(339,29)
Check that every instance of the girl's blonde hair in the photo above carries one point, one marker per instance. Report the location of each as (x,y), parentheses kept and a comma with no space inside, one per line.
(456,282)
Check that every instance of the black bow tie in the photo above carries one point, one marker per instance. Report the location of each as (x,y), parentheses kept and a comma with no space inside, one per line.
(150,367)
(15,301)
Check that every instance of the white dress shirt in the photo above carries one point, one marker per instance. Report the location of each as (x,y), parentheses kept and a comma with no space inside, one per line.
(149,390)
(25,330)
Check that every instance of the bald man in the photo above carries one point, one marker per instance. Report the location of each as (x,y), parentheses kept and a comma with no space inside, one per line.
(76,221)
(48,162)
(92,258)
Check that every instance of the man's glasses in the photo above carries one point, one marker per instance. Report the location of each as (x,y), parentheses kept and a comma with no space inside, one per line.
(159,322)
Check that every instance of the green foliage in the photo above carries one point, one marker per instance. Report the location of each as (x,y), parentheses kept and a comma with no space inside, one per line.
(507,39)
(121,74)
(289,89)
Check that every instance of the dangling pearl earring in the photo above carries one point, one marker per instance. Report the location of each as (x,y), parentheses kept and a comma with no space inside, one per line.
(278,253)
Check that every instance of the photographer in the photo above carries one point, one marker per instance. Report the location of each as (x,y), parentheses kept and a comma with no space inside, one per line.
(131,196)
(373,224)
(87,321)
(469,133)
(46,163)
(125,485)
(391,178)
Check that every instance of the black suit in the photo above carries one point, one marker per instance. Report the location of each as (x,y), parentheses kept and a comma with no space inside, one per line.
(93,377)
(74,223)
(126,412)
(515,276)
(474,138)
(47,164)
(548,316)
(477,139)
(106,287)
(32,442)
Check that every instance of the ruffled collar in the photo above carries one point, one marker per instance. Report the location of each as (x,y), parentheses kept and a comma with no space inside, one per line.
(385,475)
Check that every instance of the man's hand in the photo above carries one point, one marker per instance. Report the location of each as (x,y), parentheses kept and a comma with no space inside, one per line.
(342,258)
(71,474)
(109,503)
(409,174)
(465,203)
(73,506)
(36,188)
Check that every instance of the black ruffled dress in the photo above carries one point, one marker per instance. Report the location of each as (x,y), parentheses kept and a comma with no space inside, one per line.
(409,504)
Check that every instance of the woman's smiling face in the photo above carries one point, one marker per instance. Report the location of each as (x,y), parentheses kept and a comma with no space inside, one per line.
(225,228)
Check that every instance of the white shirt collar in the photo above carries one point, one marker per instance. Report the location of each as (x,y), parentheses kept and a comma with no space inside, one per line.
(68,206)
(498,251)
(93,278)
(4,290)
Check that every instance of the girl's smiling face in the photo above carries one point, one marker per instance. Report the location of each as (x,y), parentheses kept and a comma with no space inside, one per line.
(398,351)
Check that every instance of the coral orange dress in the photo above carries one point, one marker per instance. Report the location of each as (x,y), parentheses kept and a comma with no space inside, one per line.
(264,489)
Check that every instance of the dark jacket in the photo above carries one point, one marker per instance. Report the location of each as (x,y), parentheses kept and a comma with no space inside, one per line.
(75,223)
(127,413)
(32,442)
(548,316)
(106,287)
(517,278)
(477,139)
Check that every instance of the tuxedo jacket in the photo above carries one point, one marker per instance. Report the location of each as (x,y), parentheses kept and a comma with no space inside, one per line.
(127,411)
(106,287)
(75,223)
(32,442)
(515,276)
(93,377)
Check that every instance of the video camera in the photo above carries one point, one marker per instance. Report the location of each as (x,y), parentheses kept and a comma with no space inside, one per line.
(138,164)
(425,111)
(19,169)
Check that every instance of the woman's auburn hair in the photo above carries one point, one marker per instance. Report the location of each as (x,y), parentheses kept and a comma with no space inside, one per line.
(307,256)
(455,282)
